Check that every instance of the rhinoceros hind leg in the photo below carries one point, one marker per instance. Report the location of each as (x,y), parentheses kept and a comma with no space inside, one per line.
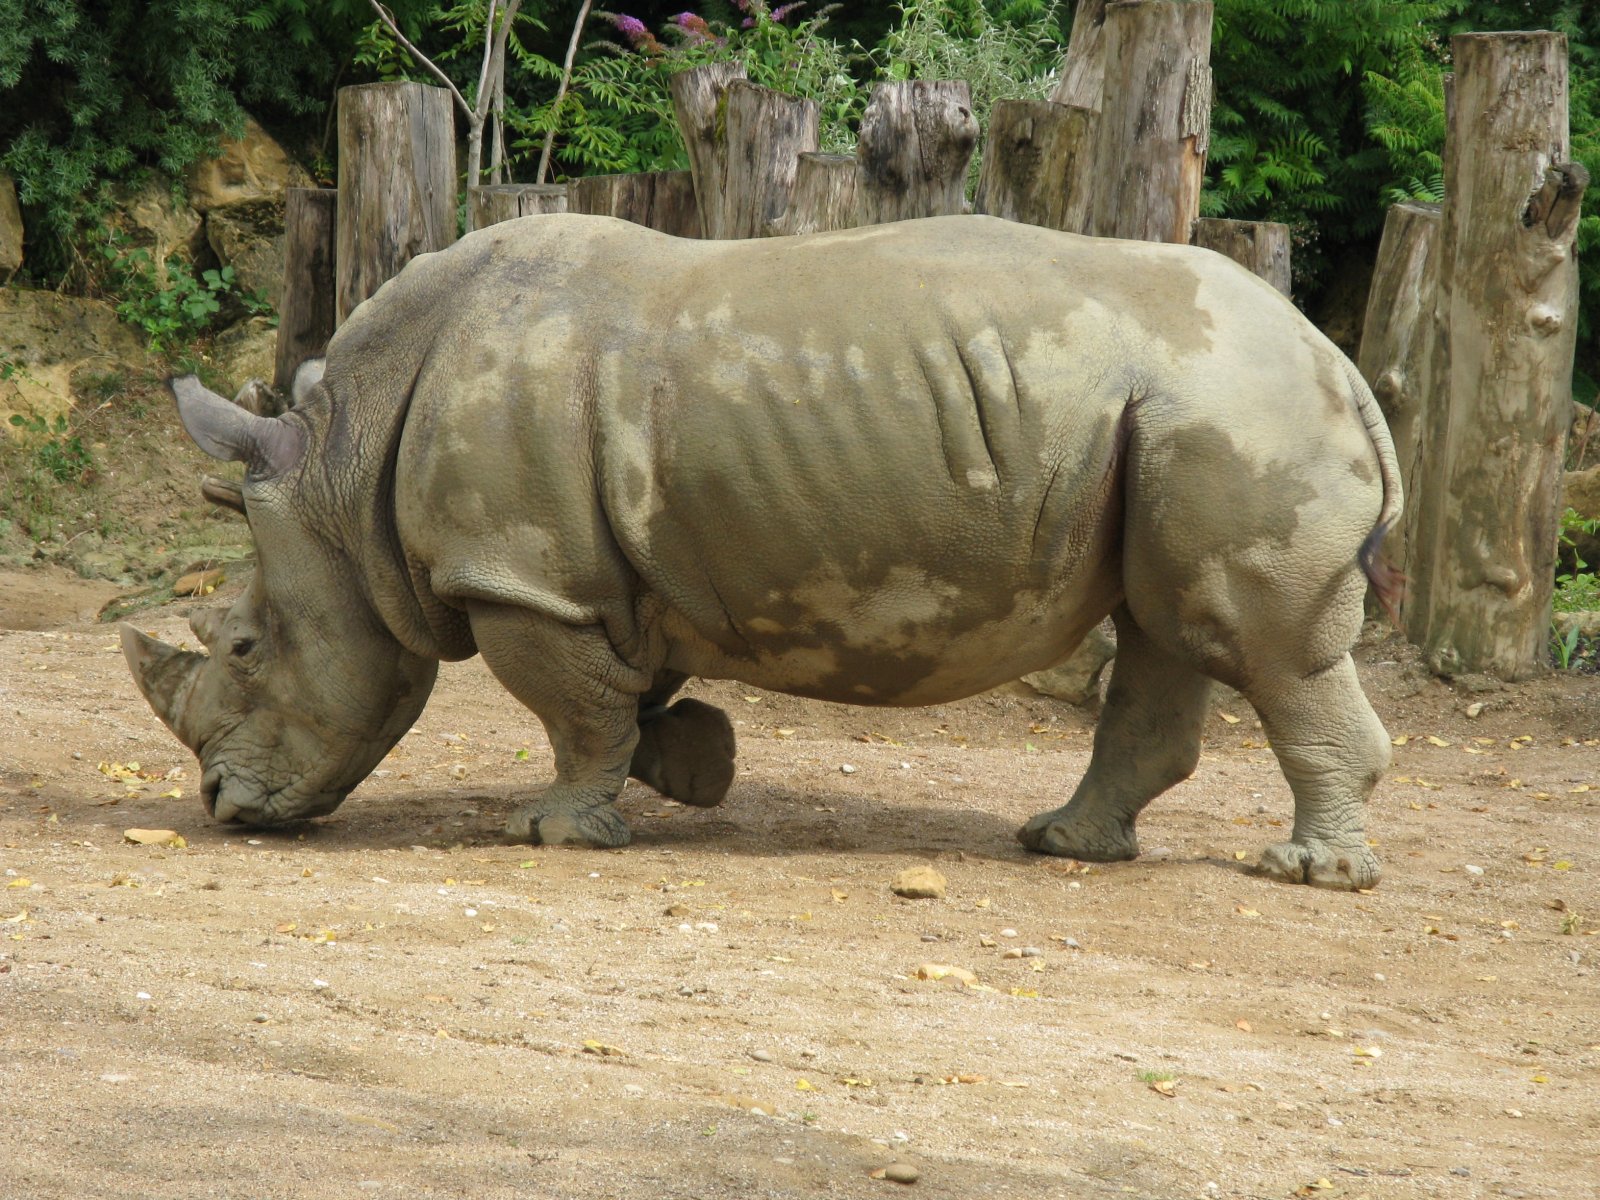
(1333,750)
(1148,739)
(587,698)
(686,753)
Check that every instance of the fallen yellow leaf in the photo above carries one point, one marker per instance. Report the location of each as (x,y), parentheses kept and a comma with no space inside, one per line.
(1436,741)
(1229,718)
(1245,912)
(804,1085)
(1164,1087)
(932,970)
(155,837)
(20,883)
(605,1051)
(1244,1025)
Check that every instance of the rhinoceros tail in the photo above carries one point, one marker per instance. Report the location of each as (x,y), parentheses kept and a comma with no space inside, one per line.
(1388,584)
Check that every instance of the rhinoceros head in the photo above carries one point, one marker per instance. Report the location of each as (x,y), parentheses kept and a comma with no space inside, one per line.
(303,690)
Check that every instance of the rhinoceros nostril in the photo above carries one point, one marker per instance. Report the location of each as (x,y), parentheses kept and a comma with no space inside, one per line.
(210,787)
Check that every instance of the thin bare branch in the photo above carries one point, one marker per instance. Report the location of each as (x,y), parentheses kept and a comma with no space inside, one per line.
(389,23)
(561,92)
(488,59)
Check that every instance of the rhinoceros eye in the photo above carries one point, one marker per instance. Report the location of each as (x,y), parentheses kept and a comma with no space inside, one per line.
(242,646)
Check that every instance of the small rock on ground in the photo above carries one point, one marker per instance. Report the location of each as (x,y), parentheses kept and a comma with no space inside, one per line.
(919,883)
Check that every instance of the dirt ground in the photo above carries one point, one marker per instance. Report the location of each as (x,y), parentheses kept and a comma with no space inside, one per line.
(392,1002)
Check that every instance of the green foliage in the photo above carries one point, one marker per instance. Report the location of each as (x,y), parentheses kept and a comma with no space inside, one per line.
(618,114)
(1010,54)
(1578,589)
(169,303)
(1326,111)
(59,452)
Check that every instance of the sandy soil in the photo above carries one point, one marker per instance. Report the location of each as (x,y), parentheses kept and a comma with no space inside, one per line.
(390,1001)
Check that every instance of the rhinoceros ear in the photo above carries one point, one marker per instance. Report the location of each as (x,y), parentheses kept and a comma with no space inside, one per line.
(268,446)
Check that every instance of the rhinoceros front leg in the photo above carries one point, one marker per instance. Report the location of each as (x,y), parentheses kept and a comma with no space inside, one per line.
(587,698)
(686,751)
(1333,750)
(1147,739)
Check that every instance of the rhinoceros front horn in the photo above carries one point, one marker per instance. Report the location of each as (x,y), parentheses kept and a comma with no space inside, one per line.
(166,676)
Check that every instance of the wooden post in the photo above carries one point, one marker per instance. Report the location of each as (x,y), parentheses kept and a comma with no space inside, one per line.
(306,308)
(1037,162)
(1397,348)
(1484,551)
(824,195)
(699,100)
(662,200)
(498,202)
(397,182)
(915,142)
(766,134)
(1155,119)
(1083,71)
(1263,246)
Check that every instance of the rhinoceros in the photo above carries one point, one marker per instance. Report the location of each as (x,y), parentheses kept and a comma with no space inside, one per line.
(896,465)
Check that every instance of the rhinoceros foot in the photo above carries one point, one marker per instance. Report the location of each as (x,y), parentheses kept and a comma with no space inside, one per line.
(686,754)
(1322,864)
(1069,834)
(560,820)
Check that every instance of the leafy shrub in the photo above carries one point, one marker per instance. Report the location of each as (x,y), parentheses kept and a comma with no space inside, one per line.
(59,451)
(170,304)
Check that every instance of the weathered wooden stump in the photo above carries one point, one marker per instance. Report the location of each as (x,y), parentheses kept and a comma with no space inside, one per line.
(1155,119)
(397,183)
(766,134)
(1083,70)
(663,200)
(1489,503)
(1263,246)
(699,101)
(498,202)
(306,310)
(824,195)
(1397,349)
(1038,160)
(912,152)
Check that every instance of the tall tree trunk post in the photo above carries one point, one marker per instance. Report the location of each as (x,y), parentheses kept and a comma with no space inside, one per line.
(1155,119)
(1263,246)
(1038,159)
(494,203)
(915,142)
(699,101)
(662,200)
(766,134)
(1083,71)
(1485,545)
(306,308)
(1397,347)
(397,183)
(824,195)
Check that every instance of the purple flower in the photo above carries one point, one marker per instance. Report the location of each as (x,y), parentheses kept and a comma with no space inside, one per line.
(631,28)
(784,10)
(694,26)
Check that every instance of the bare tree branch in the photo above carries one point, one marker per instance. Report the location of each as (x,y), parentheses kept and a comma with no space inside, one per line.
(389,23)
(561,92)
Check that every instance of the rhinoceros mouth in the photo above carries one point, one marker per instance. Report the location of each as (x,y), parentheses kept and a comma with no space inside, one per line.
(230,799)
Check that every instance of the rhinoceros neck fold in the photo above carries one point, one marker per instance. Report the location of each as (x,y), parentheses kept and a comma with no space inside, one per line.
(350,500)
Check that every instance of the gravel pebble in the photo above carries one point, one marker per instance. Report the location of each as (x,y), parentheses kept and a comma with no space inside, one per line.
(901,1172)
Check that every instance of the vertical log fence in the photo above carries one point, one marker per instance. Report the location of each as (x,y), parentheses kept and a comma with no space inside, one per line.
(1470,323)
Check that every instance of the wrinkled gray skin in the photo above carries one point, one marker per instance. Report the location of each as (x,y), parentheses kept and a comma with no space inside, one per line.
(894,465)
